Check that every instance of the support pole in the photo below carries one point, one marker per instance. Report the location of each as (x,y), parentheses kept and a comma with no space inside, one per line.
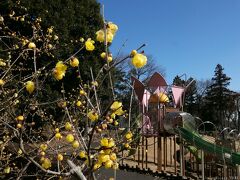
(159,153)
(175,154)
(238,170)
(154,150)
(164,152)
(142,151)
(146,153)
(138,156)
(181,156)
(203,173)
(170,155)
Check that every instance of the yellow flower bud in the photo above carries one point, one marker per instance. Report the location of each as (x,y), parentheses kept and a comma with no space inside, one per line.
(82,154)
(20,118)
(78,103)
(58,136)
(30,86)
(133,53)
(70,138)
(75,144)
(59,157)
(19,126)
(103,55)
(43,147)
(31,45)
(68,126)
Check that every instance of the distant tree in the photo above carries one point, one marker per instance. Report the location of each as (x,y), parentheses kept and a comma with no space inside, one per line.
(202,86)
(218,98)
(178,81)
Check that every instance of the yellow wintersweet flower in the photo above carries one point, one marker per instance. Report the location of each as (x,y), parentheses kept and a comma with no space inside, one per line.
(111,143)
(97,166)
(74,62)
(89,45)
(108,164)
(2,82)
(59,70)
(115,165)
(128,135)
(109,36)
(81,39)
(104,142)
(2,63)
(7,170)
(82,92)
(119,112)
(93,116)
(43,147)
(103,55)
(113,156)
(133,53)
(102,158)
(112,27)
(50,30)
(46,163)
(94,83)
(116,105)
(139,60)
(82,154)
(31,45)
(30,86)
(100,35)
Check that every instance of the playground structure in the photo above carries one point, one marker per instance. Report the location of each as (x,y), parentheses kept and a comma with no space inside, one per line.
(170,138)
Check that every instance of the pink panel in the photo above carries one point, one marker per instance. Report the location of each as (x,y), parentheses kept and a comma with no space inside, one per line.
(138,88)
(177,95)
(156,81)
(146,97)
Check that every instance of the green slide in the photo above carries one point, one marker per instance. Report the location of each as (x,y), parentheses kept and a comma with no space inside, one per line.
(226,154)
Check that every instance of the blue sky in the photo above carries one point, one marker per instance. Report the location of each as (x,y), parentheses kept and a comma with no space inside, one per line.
(183,36)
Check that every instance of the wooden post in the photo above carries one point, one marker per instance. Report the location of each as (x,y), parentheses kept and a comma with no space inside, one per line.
(159,153)
(154,151)
(170,155)
(138,156)
(175,154)
(164,152)
(146,153)
(142,151)
(203,173)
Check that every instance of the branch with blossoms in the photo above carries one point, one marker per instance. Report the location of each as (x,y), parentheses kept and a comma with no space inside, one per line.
(60,130)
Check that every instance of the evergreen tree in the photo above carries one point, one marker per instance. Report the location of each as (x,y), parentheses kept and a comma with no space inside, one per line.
(218,98)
